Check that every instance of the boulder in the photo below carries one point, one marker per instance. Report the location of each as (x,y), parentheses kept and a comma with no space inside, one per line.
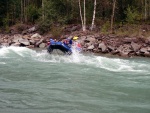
(36,35)
(39,42)
(90,47)
(17,38)
(129,40)
(111,48)
(15,44)
(74,28)
(102,46)
(135,46)
(143,50)
(148,49)
(90,39)
(30,46)
(42,45)
(24,42)
(124,50)
(5,44)
(26,37)
(147,54)
(32,42)
(32,29)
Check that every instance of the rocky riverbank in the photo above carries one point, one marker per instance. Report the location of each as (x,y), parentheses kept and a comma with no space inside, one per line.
(96,43)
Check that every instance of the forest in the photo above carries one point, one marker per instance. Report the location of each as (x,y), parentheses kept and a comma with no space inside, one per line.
(105,13)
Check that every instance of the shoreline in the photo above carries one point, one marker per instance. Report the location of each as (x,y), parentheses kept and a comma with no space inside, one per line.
(99,44)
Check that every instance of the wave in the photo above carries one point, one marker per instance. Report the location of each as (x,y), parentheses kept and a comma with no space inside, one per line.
(110,64)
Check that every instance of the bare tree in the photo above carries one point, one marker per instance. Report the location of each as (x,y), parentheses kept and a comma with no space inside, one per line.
(84,26)
(83,21)
(145,9)
(43,12)
(92,26)
(21,11)
(112,16)
(81,13)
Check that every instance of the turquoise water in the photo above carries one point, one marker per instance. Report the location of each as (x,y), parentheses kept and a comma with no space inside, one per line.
(36,82)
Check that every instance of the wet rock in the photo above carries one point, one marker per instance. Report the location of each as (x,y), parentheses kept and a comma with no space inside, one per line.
(42,45)
(16,44)
(30,46)
(32,42)
(39,42)
(5,44)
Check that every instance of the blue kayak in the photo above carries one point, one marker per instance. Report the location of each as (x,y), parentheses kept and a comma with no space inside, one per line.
(59,45)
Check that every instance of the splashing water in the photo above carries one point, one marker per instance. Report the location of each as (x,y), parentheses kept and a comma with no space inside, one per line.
(110,64)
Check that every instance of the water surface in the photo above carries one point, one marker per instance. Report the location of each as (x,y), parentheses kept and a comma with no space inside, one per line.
(36,82)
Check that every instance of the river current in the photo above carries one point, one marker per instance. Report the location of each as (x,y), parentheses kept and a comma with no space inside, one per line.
(36,82)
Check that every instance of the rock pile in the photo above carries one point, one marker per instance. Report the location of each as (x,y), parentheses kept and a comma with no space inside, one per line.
(122,46)
(116,45)
(30,40)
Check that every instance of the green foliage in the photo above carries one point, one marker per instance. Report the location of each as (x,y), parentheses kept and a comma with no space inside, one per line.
(132,14)
(44,26)
(33,13)
(56,31)
(105,27)
(20,27)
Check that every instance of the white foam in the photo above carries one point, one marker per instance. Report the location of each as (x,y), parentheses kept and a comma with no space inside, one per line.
(110,64)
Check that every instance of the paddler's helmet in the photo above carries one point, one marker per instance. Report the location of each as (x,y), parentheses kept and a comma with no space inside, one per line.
(75,38)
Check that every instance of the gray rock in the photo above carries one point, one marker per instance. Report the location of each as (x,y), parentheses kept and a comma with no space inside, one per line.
(42,45)
(90,39)
(111,48)
(24,42)
(143,50)
(17,38)
(5,44)
(32,29)
(39,42)
(90,47)
(36,35)
(30,46)
(26,37)
(15,44)
(102,46)
(124,50)
(32,42)
(148,49)
(135,46)
(147,54)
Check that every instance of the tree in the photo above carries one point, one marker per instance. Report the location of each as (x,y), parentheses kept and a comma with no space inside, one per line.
(83,20)
(112,16)
(94,11)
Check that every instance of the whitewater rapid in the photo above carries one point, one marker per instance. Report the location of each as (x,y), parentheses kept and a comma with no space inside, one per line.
(136,65)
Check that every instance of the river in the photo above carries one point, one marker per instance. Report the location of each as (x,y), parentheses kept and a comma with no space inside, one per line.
(37,82)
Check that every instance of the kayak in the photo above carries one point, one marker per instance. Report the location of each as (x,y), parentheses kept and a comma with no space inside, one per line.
(61,46)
